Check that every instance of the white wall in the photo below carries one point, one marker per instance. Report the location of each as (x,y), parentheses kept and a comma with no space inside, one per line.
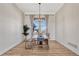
(51,26)
(27,21)
(10,27)
(59,24)
(67,29)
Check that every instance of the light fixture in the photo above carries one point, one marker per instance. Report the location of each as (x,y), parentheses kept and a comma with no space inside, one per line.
(39,20)
(39,11)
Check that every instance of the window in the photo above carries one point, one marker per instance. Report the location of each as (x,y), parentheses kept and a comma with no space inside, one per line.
(36,24)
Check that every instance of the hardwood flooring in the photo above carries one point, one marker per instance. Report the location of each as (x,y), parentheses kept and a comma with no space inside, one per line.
(55,49)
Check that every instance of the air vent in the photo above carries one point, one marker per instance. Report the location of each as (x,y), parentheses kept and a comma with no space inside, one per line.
(73,45)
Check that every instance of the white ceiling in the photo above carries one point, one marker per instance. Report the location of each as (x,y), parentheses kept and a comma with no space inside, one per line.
(45,8)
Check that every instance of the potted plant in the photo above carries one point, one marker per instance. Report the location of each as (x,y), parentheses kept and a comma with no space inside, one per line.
(25,29)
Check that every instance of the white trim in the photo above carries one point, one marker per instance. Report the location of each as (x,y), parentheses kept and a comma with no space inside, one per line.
(14,5)
(42,13)
(69,47)
(7,49)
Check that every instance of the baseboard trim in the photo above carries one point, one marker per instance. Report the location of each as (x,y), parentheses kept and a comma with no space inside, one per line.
(14,45)
(52,38)
(70,48)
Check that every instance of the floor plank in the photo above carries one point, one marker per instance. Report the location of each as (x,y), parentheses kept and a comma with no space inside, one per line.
(55,49)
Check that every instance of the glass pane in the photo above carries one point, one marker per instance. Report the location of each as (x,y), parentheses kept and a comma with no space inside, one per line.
(35,24)
(43,25)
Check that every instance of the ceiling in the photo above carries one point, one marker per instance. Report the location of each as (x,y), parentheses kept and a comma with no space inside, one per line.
(45,8)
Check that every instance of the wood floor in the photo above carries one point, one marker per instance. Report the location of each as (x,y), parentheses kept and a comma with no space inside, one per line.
(55,49)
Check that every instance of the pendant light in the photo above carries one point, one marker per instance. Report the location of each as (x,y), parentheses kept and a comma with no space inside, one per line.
(39,20)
